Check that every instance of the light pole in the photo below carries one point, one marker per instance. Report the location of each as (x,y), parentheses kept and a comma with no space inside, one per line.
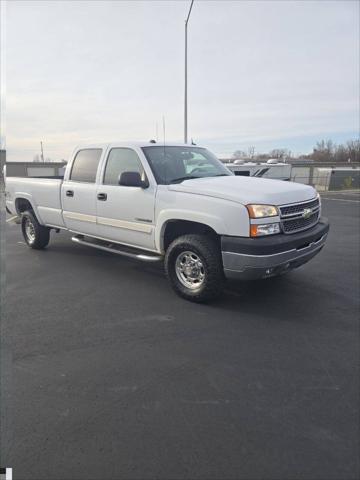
(185,96)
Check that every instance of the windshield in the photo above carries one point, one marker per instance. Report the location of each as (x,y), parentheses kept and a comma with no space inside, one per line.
(176,164)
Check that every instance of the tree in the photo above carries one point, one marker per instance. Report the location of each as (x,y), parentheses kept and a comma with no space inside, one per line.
(279,153)
(324,151)
(239,154)
(251,151)
(353,150)
(341,153)
(328,151)
(263,157)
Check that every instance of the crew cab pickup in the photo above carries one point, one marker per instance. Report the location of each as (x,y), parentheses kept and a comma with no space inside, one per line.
(176,203)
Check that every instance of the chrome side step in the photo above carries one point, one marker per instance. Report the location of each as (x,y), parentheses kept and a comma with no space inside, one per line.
(15,218)
(115,248)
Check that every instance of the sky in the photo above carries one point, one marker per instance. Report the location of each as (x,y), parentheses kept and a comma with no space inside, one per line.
(272,74)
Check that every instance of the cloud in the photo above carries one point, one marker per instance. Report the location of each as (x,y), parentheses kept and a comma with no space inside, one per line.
(95,71)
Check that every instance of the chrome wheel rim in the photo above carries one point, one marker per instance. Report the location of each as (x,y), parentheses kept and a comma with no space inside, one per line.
(190,270)
(30,230)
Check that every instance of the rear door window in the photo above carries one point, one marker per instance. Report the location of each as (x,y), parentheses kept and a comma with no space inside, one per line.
(85,165)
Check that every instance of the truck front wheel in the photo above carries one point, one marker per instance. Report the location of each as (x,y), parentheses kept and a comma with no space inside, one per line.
(35,235)
(194,268)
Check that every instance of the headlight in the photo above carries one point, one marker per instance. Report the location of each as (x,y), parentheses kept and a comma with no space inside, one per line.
(261,211)
(266,229)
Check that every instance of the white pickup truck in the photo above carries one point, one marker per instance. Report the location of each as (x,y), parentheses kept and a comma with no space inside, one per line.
(176,203)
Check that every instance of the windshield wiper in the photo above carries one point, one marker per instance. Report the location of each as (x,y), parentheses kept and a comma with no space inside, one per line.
(181,179)
(191,177)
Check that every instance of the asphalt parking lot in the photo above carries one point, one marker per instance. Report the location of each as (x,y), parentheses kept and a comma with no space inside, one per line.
(111,376)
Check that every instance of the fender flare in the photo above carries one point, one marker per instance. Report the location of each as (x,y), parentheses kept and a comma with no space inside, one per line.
(166,216)
(28,197)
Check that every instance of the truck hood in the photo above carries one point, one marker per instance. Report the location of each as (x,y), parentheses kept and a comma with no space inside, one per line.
(246,190)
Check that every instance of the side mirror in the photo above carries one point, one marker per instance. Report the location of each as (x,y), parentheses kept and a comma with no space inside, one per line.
(132,179)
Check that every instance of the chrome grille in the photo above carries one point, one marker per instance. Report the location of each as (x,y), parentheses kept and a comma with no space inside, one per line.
(299,216)
(299,208)
(296,224)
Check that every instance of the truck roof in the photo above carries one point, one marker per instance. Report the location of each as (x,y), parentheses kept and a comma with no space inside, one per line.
(135,144)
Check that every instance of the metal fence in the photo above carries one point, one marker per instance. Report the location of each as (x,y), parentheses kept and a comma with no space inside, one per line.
(327,178)
(323,176)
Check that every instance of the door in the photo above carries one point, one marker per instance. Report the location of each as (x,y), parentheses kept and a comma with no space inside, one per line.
(78,192)
(125,214)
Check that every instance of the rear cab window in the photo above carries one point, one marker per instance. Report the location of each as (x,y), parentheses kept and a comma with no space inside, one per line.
(85,165)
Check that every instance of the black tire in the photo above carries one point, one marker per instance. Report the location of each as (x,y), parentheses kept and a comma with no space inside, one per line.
(208,252)
(39,237)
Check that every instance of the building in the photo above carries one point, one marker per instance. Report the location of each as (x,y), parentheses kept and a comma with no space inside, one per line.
(35,169)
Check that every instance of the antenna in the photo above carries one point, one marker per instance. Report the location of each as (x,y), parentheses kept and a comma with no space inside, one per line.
(42,152)
(163,120)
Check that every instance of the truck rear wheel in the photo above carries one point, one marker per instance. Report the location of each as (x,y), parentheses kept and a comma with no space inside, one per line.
(194,268)
(35,235)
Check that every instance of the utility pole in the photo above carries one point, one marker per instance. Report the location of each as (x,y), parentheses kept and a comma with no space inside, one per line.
(42,152)
(186,96)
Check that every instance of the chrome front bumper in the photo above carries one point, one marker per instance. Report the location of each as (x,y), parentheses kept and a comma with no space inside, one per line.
(240,265)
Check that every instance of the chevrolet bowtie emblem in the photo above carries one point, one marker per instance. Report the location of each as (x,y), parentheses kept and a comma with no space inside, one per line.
(307,213)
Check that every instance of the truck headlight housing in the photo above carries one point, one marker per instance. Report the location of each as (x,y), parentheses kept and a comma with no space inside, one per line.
(262,211)
(266,229)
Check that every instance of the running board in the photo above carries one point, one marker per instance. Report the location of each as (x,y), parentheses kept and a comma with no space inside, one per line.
(115,248)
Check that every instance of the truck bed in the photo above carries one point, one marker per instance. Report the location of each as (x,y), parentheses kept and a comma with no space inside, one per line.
(44,194)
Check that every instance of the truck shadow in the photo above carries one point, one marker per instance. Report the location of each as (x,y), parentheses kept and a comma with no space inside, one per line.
(290,296)
(105,260)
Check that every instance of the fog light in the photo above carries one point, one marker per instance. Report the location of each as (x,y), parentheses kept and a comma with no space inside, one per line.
(266,229)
